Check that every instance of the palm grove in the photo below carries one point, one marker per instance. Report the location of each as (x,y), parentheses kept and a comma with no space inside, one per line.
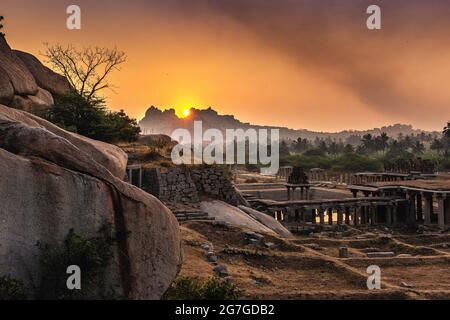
(367,152)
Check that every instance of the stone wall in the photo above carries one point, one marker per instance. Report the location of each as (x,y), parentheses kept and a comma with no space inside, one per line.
(215,183)
(188,184)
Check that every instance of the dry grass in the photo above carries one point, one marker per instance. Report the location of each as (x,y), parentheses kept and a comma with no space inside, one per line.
(292,270)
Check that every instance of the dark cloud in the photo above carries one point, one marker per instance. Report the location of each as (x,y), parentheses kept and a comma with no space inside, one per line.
(330,38)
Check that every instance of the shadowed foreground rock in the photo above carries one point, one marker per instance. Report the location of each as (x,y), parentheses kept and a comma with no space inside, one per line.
(53,181)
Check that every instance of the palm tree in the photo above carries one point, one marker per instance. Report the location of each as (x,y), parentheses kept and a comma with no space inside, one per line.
(367,142)
(384,138)
(418,147)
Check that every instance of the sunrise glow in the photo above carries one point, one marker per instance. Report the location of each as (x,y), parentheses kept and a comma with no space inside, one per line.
(186,113)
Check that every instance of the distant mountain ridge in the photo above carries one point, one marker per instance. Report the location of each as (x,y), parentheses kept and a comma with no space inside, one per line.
(157,121)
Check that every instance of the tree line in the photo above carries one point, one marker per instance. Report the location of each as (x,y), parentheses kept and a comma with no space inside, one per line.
(401,146)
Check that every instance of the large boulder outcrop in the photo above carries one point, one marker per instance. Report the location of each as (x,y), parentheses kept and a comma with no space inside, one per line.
(227,213)
(109,156)
(268,221)
(38,103)
(56,84)
(6,88)
(25,83)
(51,182)
(21,78)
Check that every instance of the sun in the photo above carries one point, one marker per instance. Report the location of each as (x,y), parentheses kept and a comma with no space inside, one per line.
(186,112)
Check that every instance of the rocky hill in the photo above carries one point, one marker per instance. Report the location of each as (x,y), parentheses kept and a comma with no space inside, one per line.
(157,121)
(53,181)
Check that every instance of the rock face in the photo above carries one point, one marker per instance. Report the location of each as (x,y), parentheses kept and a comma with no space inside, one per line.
(6,88)
(111,157)
(54,83)
(53,181)
(21,79)
(224,212)
(25,83)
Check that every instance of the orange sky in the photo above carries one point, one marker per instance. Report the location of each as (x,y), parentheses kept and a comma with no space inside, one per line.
(301,64)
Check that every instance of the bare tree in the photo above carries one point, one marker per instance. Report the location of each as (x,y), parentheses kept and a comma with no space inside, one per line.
(88,69)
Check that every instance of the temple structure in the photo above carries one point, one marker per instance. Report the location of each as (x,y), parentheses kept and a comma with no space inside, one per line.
(298,179)
(380,199)
(428,200)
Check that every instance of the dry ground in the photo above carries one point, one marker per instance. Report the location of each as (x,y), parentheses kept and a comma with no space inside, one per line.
(310,267)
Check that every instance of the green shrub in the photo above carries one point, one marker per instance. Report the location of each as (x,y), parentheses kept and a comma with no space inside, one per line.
(192,288)
(11,289)
(92,255)
(91,119)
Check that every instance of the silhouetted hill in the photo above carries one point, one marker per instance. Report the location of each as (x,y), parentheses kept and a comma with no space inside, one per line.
(157,121)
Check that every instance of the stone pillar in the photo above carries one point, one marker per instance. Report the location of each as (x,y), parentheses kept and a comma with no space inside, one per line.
(441,211)
(356,214)
(288,193)
(394,214)
(330,216)
(428,208)
(419,207)
(339,215)
(347,215)
(373,214)
(388,215)
(321,216)
(313,216)
(303,214)
(362,211)
(447,211)
(367,215)
(412,207)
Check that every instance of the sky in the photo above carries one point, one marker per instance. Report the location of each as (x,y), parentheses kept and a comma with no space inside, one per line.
(298,63)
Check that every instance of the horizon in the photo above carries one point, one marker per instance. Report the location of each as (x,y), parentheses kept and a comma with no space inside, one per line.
(312,66)
(180,117)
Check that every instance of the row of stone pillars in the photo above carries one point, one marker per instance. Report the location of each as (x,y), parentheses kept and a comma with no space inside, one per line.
(304,192)
(355,215)
(363,179)
(422,205)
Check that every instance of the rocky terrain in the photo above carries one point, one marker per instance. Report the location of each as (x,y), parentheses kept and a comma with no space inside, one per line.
(326,264)
(53,181)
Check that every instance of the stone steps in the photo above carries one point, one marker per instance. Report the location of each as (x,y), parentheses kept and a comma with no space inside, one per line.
(183,216)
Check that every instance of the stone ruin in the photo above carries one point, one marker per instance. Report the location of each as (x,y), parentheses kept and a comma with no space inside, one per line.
(298,176)
(188,184)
